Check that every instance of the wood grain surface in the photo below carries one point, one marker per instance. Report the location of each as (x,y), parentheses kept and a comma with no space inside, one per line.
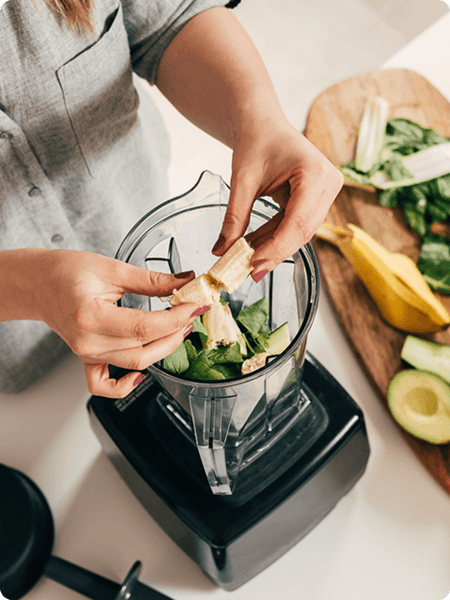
(332,125)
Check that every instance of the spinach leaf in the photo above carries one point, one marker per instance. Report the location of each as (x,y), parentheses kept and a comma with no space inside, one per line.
(202,368)
(225,354)
(419,199)
(415,219)
(177,362)
(190,350)
(201,330)
(389,198)
(396,170)
(443,186)
(434,262)
(253,317)
(228,371)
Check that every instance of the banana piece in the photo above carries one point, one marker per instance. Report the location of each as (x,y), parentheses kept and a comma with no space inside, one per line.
(254,363)
(222,328)
(392,279)
(203,289)
(229,272)
(233,267)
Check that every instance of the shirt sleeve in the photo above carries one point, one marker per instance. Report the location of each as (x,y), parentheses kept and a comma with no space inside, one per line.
(152,24)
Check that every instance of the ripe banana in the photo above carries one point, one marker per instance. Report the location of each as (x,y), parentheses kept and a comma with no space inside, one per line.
(203,290)
(229,272)
(393,280)
(234,266)
(222,328)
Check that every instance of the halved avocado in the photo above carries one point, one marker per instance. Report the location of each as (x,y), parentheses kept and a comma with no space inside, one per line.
(420,403)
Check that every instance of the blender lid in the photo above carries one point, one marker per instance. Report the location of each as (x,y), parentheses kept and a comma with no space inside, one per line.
(26,533)
(26,540)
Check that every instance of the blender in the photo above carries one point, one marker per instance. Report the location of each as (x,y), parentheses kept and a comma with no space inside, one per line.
(237,471)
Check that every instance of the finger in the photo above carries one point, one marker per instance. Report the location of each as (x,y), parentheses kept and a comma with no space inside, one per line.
(136,280)
(135,326)
(243,191)
(305,212)
(138,359)
(265,232)
(101,384)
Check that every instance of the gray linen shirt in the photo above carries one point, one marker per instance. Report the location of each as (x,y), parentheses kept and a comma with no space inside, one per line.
(83,151)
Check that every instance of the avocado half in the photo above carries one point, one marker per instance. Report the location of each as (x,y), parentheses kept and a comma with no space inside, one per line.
(420,402)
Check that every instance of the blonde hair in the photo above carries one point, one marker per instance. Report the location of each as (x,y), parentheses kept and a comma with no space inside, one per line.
(76,12)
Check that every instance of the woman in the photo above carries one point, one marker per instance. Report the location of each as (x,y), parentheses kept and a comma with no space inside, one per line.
(83,155)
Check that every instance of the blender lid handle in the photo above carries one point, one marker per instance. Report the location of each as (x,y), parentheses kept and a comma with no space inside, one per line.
(99,588)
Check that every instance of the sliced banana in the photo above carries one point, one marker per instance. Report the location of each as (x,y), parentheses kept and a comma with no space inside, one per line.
(233,268)
(204,290)
(229,272)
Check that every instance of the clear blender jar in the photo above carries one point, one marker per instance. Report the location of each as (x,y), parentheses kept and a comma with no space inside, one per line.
(236,423)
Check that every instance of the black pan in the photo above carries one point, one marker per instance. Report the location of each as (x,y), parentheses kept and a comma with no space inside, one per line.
(26,540)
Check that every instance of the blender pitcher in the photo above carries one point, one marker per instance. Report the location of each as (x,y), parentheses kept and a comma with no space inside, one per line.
(234,421)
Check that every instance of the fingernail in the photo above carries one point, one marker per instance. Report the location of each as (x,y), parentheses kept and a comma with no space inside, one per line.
(218,245)
(200,311)
(183,274)
(188,330)
(138,379)
(260,275)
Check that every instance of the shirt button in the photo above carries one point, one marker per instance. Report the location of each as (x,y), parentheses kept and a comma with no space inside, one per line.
(35,191)
(57,238)
(4,135)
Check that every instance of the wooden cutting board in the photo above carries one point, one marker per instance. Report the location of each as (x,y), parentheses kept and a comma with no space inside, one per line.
(332,125)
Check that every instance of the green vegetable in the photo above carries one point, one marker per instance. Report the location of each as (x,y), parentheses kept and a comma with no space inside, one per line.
(428,356)
(226,354)
(200,329)
(177,362)
(254,317)
(434,263)
(371,134)
(423,203)
(224,359)
(202,368)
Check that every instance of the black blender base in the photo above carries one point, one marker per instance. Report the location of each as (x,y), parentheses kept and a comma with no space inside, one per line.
(233,543)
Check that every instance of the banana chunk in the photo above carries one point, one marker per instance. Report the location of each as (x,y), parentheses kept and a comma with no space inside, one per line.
(204,290)
(233,268)
(229,272)
(222,328)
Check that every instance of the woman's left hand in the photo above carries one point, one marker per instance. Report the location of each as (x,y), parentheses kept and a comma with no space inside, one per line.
(276,160)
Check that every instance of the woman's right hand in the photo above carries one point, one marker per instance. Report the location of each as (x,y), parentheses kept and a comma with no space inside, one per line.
(75,293)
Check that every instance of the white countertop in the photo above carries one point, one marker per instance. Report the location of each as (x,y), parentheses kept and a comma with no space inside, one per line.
(388,538)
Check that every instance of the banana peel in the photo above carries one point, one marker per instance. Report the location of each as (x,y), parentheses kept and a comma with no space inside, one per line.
(392,279)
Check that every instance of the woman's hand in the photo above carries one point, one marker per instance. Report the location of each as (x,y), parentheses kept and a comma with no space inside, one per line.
(214,75)
(75,294)
(274,159)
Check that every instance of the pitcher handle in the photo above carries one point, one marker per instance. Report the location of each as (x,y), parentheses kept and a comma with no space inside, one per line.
(211,418)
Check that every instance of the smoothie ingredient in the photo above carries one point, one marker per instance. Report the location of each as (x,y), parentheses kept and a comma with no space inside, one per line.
(428,356)
(229,272)
(392,279)
(233,268)
(371,133)
(221,347)
(222,329)
(414,170)
(203,290)
(420,402)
